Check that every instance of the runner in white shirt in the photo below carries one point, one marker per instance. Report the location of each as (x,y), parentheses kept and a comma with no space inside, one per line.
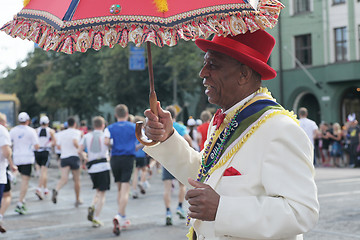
(46,141)
(5,160)
(98,167)
(25,141)
(68,143)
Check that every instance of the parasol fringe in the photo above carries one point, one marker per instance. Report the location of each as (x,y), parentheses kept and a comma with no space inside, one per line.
(95,37)
(161,5)
(26,2)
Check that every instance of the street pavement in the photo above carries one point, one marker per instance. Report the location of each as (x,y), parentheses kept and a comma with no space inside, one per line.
(339,196)
(63,220)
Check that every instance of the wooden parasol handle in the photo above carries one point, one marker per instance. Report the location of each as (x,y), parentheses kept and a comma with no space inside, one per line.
(152,100)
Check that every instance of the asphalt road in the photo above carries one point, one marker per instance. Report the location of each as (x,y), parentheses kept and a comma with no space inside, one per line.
(339,196)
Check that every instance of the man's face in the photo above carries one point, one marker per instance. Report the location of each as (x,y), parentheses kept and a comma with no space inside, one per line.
(221,75)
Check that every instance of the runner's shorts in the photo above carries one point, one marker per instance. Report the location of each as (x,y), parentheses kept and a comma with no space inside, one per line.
(122,167)
(8,184)
(140,162)
(25,169)
(166,175)
(101,180)
(73,162)
(2,187)
(42,158)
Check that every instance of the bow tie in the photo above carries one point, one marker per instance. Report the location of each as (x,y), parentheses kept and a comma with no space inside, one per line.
(218,118)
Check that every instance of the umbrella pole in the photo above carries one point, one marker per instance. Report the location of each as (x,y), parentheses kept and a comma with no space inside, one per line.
(152,100)
(152,96)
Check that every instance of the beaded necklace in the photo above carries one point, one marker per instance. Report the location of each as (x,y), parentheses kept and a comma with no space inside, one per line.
(218,149)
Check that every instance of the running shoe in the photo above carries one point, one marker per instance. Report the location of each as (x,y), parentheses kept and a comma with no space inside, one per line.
(90,215)
(135,195)
(54,196)
(96,223)
(142,189)
(24,208)
(180,211)
(124,223)
(2,229)
(168,218)
(21,210)
(38,194)
(116,222)
(46,192)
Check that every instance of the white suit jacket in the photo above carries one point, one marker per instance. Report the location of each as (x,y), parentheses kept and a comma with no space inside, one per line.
(275,197)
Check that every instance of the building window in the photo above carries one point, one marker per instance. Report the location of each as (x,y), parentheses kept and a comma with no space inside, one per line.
(338,1)
(303,51)
(301,6)
(340,44)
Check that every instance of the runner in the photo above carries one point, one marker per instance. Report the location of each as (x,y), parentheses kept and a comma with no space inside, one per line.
(141,167)
(168,178)
(5,160)
(98,167)
(46,141)
(68,143)
(122,136)
(25,141)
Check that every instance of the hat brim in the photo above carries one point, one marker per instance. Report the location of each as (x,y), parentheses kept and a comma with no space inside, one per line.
(260,67)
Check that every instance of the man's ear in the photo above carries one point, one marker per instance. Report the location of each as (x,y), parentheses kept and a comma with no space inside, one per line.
(245,75)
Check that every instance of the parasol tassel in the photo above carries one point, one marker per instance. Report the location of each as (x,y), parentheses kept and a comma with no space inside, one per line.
(26,2)
(161,5)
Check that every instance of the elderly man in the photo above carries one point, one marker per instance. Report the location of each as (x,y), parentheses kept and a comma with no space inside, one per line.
(255,177)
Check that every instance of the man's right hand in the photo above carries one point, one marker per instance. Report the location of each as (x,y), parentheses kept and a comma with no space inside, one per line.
(158,128)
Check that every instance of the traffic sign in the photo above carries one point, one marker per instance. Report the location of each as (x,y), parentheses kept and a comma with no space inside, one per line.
(137,58)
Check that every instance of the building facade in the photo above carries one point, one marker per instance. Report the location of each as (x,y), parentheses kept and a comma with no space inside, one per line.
(317,58)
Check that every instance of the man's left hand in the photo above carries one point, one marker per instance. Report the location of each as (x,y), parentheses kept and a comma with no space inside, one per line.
(203,200)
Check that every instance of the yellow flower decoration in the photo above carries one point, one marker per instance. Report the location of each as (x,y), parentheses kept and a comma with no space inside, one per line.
(161,5)
(26,2)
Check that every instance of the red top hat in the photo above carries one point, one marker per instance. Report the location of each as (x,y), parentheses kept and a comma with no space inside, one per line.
(251,49)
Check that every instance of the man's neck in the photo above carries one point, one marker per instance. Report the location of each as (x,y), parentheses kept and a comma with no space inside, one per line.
(241,102)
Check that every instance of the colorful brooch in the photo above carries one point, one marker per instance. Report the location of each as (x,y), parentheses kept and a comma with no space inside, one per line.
(115,9)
